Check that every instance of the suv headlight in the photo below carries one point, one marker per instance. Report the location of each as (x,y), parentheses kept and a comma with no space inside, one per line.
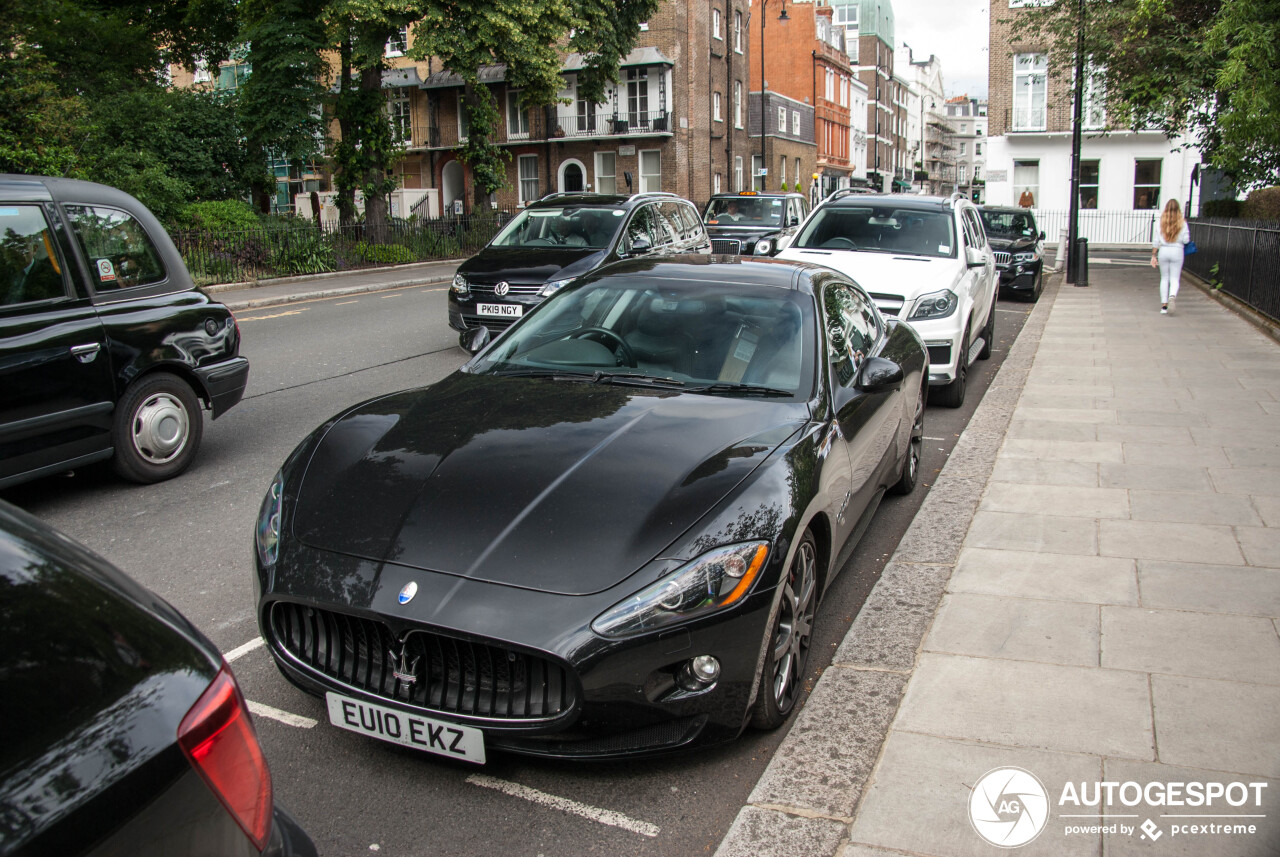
(711,582)
(552,286)
(460,286)
(763,247)
(1026,257)
(267,534)
(935,305)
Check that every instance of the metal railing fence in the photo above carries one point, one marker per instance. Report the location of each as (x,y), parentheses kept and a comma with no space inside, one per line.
(1101,227)
(231,256)
(1243,256)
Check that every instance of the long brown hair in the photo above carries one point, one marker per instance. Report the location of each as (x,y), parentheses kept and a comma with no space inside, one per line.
(1171,221)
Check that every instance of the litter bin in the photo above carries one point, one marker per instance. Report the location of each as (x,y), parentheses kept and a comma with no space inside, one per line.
(1082,262)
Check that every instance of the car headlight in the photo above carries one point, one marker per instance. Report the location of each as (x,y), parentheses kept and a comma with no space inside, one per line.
(711,582)
(460,286)
(763,247)
(935,305)
(1026,257)
(267,534)
(552,286)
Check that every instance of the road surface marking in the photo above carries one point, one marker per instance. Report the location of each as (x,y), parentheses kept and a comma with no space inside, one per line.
(241,651)
(284,717)
(344,303)
(604,816)
(396,295)
(273,315)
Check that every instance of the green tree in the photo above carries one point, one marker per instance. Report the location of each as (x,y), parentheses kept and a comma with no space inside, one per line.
(1207,68)
(529,39)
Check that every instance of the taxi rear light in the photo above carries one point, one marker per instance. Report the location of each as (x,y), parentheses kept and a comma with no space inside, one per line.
(218,739)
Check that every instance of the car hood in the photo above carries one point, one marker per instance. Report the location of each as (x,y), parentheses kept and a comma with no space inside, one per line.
(745,233)
(559,486)
(1012,243)
(903,276)
(528,264)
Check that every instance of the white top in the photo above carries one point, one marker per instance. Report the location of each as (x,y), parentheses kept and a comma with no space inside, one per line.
(1183,237)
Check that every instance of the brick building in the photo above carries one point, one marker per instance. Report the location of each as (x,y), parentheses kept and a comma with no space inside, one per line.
(869,42)
(676,120)
(1029,144)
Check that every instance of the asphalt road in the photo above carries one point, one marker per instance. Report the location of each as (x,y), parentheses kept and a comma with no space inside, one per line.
(190,540)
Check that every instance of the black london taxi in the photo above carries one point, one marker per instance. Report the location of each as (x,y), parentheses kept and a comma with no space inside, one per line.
(750,223)
(107,350)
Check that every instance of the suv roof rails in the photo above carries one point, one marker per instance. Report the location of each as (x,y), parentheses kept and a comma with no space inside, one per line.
(848,191)
(654,193)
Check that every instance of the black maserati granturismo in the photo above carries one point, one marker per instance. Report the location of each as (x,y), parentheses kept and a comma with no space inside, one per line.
(610,531)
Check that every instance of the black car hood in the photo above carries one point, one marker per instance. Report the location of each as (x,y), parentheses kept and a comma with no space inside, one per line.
(528,264)
(559,486)
(744,233)
(1011,243)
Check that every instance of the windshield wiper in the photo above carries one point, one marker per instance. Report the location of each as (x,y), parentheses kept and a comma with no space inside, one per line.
(558,374)
(638,379)
(744,389)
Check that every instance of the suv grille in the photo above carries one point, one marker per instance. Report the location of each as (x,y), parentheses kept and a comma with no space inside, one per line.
(454,676)
(486,289)
(725,245)
(1003,258)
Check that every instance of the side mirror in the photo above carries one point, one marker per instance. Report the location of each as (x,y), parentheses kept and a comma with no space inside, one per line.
(783,242)
(792,220)
(975,257)
(640,246)
(878,374)
(475,339)
(1041,234)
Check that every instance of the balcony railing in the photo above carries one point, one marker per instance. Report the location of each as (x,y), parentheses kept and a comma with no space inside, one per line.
(559,126)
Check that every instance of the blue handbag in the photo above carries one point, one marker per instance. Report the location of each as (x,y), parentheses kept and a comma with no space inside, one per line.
(1189,248)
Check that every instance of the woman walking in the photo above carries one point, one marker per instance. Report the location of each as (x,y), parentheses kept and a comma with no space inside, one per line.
(1167,253)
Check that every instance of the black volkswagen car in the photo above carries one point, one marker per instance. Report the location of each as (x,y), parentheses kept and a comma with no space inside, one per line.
(562,236)
(1019,248)
(107,351)
(750,223)
(610,531)
(124,730)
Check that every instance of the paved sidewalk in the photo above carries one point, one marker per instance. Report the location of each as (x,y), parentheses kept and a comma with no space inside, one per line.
(240,296)
(1089,593)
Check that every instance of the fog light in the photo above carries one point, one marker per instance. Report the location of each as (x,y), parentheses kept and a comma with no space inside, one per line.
(698,673)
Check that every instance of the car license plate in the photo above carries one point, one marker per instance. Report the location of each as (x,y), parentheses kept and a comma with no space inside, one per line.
(409,730)
(501,310)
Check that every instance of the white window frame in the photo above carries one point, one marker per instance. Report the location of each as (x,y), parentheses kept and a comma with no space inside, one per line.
(737,32)
(795,123)
(649,182)
(737,173)
(1030,92)
(715,25)
(757,164)
(1029,169)
(519,128)
(782,173)
(737,104)
(715,183)
(398,44)
(606,172)
(464,125)
(200,74)
(717,108)
(782,119)
(1094,106)
(1155,188)
(400,114)
(527,185)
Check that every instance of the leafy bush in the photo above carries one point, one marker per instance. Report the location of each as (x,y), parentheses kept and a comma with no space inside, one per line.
(302,251)
(218,216)
(1262,204)
(1220,208)
(384,254)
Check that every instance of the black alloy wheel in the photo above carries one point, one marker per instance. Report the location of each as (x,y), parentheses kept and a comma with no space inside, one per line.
(911,465)
(952,395)
(782,680)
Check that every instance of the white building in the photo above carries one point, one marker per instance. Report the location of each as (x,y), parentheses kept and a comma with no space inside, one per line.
(968,116)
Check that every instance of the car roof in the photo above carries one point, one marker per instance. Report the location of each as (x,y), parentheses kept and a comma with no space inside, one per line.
(558,200)
(898,200)
(1005,209)
(755,194)
(49,188)
(784,274)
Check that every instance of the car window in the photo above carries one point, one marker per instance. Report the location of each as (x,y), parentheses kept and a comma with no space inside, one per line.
(1020,223)
(852,330)
(744,210)
(692,223)
(881,228)
(119,251)
(30,269)
(590,226)
(642,225)
(978,236)
(672,222)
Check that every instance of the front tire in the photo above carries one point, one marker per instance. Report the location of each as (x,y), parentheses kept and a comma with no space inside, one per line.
(157,429)
(952,395)
(782,678)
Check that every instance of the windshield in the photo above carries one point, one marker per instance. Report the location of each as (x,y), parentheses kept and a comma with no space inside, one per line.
(1008,223)
(881,228)
(745,211)
(718,338)
(589,227)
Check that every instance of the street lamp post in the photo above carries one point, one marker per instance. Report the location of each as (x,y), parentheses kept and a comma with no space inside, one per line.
(1077,110)
(764,87)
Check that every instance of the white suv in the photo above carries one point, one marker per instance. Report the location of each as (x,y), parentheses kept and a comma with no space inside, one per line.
(922,259)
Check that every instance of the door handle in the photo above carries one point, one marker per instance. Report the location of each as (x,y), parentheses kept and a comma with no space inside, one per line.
(86,353)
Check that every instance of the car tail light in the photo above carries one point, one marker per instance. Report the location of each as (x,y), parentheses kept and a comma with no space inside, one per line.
(220,743)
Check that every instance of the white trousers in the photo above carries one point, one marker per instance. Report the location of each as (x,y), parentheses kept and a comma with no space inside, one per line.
(1170,259)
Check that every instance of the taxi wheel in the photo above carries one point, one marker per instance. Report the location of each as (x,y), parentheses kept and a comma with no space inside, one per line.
(157,429)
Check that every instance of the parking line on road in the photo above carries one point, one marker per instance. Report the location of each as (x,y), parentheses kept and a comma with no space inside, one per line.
(603,816)
(241,318)
(344,303)
(396,295)
(241,651)
(260,710)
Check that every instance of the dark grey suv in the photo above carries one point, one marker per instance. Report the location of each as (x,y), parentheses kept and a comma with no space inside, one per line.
(558,238)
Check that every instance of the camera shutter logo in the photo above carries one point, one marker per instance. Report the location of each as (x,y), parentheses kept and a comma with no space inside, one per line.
(1008,807)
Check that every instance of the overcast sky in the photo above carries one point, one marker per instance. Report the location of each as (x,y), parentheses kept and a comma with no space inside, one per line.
(955,31)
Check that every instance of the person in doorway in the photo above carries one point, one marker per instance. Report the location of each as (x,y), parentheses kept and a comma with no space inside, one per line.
(1167,252)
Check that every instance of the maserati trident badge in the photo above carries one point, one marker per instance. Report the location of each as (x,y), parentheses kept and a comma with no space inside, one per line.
(404,670)
(406,594)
